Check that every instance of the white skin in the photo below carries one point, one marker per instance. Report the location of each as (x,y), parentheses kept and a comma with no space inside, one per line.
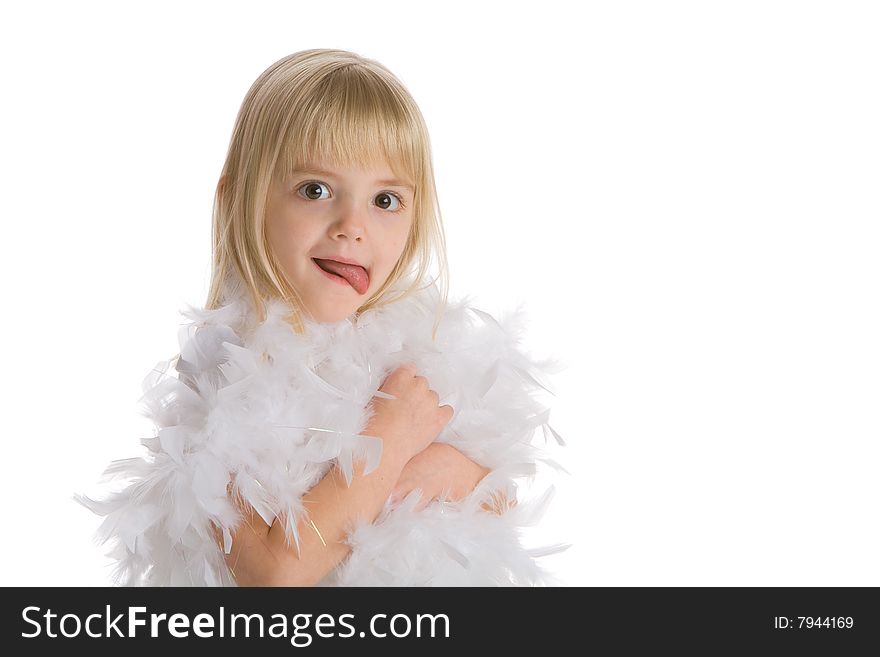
(350,212)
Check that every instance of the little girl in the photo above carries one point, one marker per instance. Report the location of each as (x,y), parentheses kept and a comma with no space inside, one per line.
(334,419)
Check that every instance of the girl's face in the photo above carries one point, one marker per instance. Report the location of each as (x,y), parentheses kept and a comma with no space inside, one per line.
(358,215)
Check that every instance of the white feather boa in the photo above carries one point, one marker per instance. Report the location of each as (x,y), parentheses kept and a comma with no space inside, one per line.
(267,412)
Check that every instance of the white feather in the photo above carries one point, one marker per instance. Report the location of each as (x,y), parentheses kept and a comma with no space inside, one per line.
(261,412)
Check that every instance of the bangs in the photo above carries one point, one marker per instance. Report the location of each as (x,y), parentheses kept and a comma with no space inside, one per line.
(353,118)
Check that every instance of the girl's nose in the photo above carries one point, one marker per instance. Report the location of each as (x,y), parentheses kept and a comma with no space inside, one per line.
(350,222)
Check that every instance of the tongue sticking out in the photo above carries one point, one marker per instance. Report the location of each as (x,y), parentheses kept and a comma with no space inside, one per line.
(356,276)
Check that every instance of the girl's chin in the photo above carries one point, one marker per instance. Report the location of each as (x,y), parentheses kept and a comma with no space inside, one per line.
(332,315)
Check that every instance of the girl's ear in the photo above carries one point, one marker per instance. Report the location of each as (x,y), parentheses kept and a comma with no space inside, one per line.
(222,184)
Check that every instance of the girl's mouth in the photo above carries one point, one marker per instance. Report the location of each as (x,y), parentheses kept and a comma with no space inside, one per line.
(353,276)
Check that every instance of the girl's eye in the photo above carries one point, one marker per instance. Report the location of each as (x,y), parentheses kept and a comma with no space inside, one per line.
(389,200)
(313,188)
(392,196)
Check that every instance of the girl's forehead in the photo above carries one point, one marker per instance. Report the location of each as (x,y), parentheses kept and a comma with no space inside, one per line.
(320,164)
(381,171)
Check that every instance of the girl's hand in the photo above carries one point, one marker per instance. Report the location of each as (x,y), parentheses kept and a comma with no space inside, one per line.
(411,422)
(441,471)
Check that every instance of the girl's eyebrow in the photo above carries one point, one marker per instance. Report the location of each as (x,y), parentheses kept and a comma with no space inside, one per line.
(392,183)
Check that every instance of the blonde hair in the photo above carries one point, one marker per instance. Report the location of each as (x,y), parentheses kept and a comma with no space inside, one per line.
(337,107)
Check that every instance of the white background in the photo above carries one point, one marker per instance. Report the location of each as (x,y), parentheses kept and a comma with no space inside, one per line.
(683,194)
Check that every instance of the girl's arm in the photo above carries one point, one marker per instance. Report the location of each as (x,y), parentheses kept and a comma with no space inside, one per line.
(260,555)
(440,470)
(406,423)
